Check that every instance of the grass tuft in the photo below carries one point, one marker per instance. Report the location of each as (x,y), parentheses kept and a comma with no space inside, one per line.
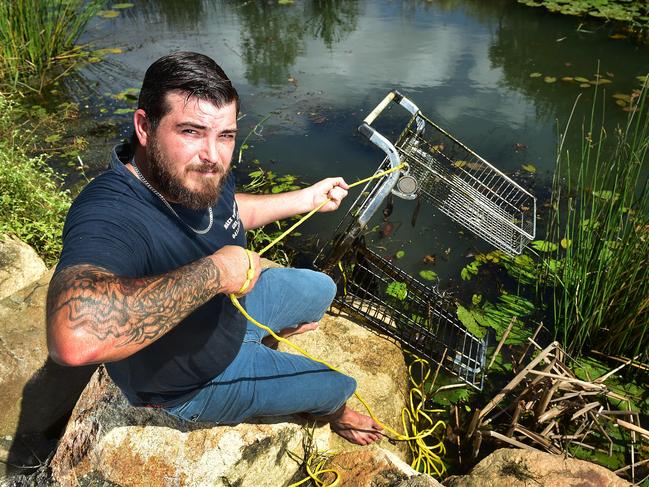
(600,214)
(37,35)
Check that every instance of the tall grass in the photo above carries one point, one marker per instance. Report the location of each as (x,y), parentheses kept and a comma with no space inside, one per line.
(600,222)
(32,204)
(36,35)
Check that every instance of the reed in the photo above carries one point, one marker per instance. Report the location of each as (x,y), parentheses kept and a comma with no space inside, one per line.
(600,222)
(38,35)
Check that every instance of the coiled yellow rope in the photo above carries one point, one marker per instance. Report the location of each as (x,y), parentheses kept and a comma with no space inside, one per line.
(425,458)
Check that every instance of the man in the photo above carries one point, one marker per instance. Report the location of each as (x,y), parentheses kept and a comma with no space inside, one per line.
(154,246)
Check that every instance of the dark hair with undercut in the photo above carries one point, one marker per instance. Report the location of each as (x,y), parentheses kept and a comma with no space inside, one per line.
(193,74)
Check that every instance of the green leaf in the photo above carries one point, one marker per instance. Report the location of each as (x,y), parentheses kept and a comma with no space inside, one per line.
(581,79)
(108,14)
(544,246)
(565,243)
(475,299)
(256,174)
(123,111)
(52,138)
(398,290)
(606,195)
(123,5)
(535,75)
(468,320)
(531,168)
(428,275)
(465,274)
(550,79)
(400,254)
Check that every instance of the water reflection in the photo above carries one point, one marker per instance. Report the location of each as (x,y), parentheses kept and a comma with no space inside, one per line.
(273,35)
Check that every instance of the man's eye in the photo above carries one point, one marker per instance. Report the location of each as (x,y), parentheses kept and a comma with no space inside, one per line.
(189,131)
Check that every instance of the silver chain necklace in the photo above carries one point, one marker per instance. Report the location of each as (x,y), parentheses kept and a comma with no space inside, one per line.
(155,192)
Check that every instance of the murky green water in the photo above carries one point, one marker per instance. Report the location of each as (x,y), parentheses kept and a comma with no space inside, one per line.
(318,67)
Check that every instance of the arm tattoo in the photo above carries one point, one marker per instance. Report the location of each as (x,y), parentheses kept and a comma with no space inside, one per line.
(130,310)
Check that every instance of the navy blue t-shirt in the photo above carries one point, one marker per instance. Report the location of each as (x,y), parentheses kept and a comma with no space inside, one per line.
(118,224)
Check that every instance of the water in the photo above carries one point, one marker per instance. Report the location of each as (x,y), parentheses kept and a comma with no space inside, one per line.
(318,68)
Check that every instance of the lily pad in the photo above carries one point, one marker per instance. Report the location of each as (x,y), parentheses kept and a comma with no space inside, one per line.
(622,96)
(468,320)
(585,85)
(621,103)
(544,246)
(531,168)
(550,79)
(108,14)
(565,243)
(581,79)
(428,275)
(400,254)
(568,79)
(123,111)
(398,290)
(535,75)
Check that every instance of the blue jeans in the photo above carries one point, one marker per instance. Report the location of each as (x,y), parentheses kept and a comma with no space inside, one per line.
(263,382)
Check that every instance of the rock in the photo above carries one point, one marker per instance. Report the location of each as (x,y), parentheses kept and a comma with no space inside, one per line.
(37,394)
(519,468)
(378,468)
(109,441)
(377,365)
(19,265)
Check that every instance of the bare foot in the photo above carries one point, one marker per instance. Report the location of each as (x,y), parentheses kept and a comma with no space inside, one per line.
(354,426)
(269,341)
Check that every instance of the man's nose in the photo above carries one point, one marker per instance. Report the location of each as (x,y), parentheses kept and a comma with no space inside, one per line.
(210,151)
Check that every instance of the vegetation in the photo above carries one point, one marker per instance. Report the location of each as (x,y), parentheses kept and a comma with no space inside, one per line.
(634,14)
(32,204)
(37,35)
(599,263)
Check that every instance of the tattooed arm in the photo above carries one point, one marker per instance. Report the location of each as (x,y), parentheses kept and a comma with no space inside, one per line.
(94,316)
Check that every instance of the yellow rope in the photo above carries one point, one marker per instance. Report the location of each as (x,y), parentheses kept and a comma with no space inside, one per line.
(425,458)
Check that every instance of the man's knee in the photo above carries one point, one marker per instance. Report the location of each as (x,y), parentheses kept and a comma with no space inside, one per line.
(325,285)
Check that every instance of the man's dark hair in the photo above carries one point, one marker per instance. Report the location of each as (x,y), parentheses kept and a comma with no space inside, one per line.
(190,73)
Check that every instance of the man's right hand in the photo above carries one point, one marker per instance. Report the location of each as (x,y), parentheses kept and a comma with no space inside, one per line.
(233,263)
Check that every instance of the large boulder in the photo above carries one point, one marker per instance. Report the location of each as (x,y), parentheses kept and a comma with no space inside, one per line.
(20,265)
(520,468)
(109,442)
(37,394)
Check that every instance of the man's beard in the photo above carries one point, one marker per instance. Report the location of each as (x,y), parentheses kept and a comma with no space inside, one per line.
(170,183)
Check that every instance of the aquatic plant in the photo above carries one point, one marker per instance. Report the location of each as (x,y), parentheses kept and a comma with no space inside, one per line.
(36,35)
(600,224)
(32,204)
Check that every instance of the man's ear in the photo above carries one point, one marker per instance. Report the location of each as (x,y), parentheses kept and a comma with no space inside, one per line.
(141,126)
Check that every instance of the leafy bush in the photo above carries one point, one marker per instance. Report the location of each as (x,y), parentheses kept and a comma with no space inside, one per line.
(32,204)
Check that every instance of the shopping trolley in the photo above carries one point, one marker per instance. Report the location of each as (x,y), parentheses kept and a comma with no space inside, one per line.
(444,172)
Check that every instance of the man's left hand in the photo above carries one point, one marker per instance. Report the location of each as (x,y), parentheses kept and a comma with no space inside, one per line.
(331,189)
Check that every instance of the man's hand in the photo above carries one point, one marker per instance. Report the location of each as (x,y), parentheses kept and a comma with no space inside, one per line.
(332,189)
(234,263)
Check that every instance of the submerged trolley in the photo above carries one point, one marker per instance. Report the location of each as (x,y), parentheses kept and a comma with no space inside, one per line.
(444,172)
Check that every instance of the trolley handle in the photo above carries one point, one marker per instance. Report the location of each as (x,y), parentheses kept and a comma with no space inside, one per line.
(379,140)
(395,96)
